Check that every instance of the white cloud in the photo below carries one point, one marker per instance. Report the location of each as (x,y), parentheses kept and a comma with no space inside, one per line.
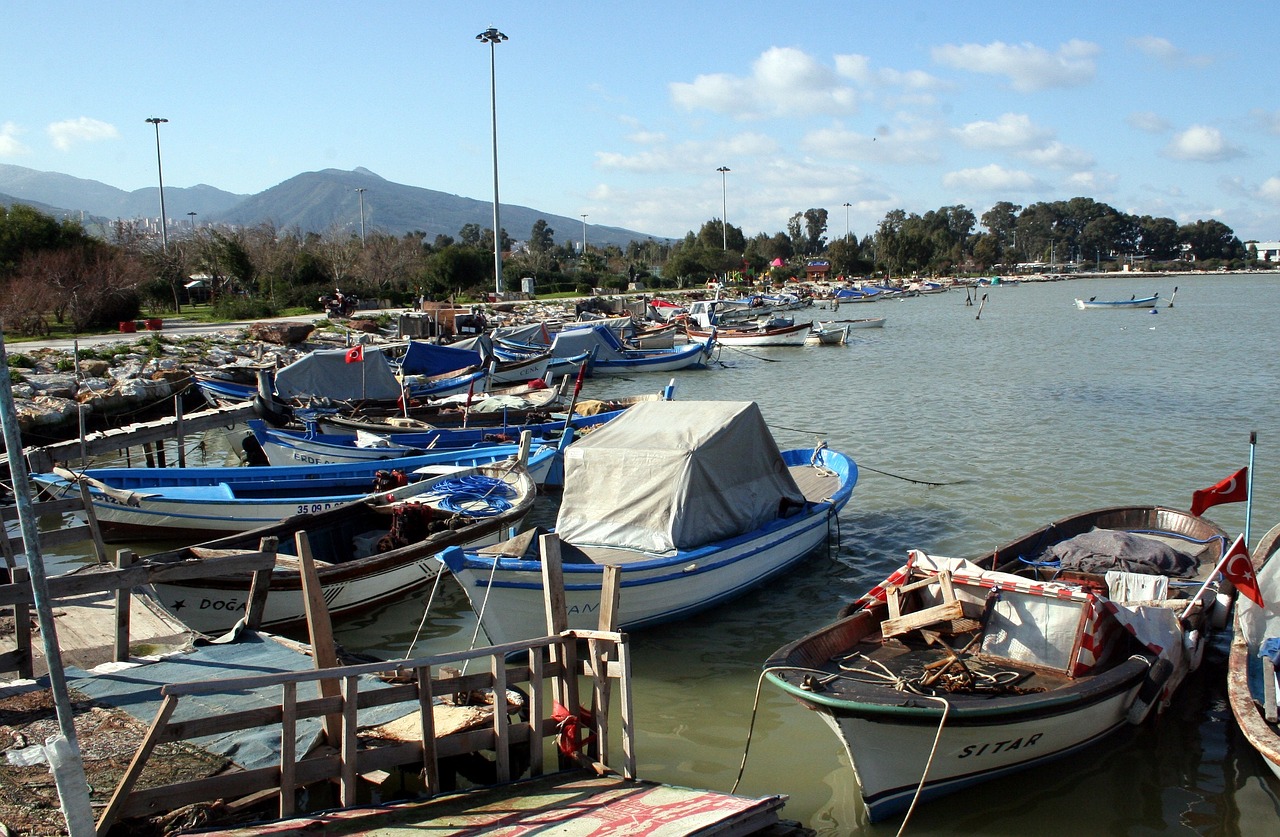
(10,145)
(1201,143)
(1267,120)
(1010,131)
(908,144)
(783,82)
(1027,66)
(70,132)
(858,68)
(1092,183)
(1059,156)
(1270,189)
(1148,121)
(647,137)
(992,178)
(662,157)
(1164,51)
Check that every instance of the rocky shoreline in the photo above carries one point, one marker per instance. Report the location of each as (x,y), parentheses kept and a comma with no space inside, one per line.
(120,378)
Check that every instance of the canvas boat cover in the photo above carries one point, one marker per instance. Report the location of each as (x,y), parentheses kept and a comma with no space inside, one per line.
(325,373)
(423,358)
(669,475)
(596,338)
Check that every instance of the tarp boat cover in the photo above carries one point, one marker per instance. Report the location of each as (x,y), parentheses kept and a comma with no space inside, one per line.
(423,358)
(669,475)
(326,373)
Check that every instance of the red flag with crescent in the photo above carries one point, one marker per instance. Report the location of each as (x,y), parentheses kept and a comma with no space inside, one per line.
(355,354)
(1238,568)
(1233,489)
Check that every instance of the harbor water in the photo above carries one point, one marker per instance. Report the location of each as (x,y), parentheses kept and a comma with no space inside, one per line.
(974,417)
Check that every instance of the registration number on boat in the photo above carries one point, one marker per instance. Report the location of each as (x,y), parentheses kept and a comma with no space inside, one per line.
(312,508)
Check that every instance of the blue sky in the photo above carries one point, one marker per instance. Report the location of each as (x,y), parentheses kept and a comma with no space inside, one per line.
(624,111)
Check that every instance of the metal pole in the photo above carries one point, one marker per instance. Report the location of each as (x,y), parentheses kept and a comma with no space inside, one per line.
(68,774)
(724,203)
(846,220)
(584,236)
(360,192)
(493,37)
(164,224)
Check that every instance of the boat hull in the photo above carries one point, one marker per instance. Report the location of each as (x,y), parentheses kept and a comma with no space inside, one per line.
(654,588)
(889,758)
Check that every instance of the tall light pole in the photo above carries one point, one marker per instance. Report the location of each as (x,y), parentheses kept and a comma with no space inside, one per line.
(164,225)
(192,216)
(360,192)
(846,220)
(724,202)
(493,37)
(584,236)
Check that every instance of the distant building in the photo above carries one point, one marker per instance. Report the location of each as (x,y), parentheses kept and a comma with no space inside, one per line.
(1268,251)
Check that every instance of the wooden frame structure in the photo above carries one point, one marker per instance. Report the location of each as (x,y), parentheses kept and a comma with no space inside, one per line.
(548,671)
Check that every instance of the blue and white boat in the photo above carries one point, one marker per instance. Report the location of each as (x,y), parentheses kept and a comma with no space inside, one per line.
(610,357)
(1093,303)
(693,501)
(194,503)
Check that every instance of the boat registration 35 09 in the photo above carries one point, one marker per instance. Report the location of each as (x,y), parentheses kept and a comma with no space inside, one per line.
(312,508)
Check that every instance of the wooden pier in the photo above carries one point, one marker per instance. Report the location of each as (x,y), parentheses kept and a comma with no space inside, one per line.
(152,436)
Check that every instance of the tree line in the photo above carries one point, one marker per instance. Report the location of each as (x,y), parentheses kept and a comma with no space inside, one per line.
(51,269)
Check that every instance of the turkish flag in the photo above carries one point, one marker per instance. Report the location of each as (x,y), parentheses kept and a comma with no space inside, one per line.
(355,354)
(1233,489)
(1238,568)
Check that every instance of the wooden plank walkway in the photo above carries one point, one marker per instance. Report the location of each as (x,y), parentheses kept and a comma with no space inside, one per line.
(566,804)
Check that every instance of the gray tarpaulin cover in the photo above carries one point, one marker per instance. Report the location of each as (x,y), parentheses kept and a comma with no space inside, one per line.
(325,373)
(669,475)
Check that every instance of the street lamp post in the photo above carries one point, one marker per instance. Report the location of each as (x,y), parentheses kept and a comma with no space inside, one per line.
(360,192)
(846,220)
(192,216)
(584,236)
(164,225)
(493,37)
(724,202)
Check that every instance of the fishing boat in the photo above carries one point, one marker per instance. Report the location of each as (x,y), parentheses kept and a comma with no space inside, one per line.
(692,501)
(770,332)
(1093,303)
(283,446)
(954,671)
(827,334)
(193,503)
(610,357)
(1255,646)
(365,552)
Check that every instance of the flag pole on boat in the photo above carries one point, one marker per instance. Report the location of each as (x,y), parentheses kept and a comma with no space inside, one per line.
(1248,502)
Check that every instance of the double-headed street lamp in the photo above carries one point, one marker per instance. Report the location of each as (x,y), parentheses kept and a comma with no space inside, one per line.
(192,216)
(724,202)
(846,220)
(164,226)
(493,37)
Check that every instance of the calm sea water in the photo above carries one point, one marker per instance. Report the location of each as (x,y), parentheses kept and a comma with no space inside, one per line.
(1034,411)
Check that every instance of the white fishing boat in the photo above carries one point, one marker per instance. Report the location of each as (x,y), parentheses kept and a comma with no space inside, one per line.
(949,673)
(692,501)
(827,334)
(365,552)
(771,332)
(1095,304)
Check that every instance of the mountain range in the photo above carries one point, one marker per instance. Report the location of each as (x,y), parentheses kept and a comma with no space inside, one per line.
(313,202)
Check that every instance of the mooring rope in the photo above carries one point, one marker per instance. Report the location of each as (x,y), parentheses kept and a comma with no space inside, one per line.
(862,467)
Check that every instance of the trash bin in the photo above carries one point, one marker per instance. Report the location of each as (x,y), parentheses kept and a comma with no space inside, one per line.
(128,326)
(154,324)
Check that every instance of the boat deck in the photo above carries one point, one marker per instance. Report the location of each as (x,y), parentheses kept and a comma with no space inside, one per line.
(817,484)
(873,663)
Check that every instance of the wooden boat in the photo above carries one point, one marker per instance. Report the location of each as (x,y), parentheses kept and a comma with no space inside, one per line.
(368,551)
(282,446)
(827,334)
(951,672)
(769,333)
(1251,677)
(692,501)
(610,357)
(193,503)
(1092,303)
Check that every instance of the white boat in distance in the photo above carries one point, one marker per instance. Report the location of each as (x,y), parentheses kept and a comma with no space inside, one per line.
(1093,303)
